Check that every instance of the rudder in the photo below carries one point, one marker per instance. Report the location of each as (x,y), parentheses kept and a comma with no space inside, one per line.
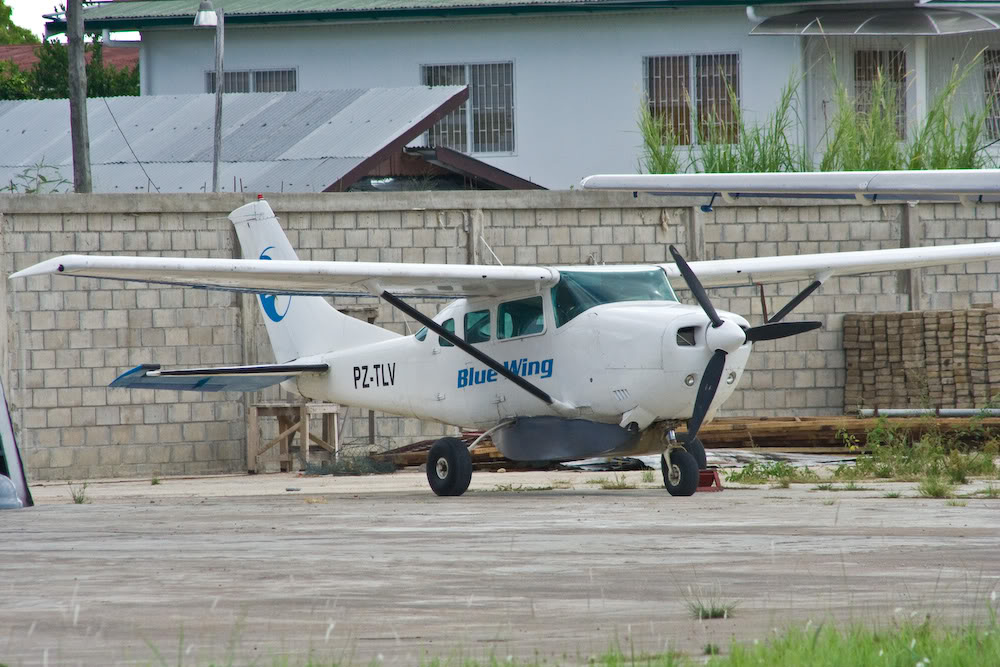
(297,326)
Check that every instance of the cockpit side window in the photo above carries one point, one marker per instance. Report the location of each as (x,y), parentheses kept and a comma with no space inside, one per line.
(520,318)
(477,326)
(449,326)
(421,335)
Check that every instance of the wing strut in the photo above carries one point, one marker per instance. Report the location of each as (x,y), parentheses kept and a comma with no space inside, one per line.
(796,300)
(474,353)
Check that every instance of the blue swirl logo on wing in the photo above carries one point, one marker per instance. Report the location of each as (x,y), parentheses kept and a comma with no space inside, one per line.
(269,302)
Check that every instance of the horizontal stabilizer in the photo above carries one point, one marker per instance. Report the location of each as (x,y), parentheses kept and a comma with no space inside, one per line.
(223,378)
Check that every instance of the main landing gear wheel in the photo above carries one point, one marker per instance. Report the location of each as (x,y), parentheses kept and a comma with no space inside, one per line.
(696,449)
(449,467)
(681,476)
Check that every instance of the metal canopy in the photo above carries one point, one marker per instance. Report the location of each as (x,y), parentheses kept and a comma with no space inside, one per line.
(909,21)
(309,141)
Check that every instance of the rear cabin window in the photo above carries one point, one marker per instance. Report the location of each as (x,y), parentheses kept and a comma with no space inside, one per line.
(477,326)
(520,318)
(579,291)
(449,326)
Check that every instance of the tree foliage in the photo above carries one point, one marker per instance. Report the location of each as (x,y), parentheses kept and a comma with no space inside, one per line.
(49,77)
(10,32)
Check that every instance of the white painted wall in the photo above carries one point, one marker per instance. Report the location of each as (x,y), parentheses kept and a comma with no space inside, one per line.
(577,79)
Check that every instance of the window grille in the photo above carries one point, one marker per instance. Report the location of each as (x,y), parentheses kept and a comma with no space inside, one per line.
(668,93)
(264,81)
(991,92)
(716,88)
(869,64)
(718,78)
(490,107)
(451,130)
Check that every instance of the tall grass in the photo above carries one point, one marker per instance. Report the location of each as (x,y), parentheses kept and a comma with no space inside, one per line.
(863,140)
(737,146)
(660,144)
(862,137)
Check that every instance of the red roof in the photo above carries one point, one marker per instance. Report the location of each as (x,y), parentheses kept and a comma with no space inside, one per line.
(23,55)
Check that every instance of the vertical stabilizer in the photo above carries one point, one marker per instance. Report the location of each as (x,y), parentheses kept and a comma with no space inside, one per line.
(298,326)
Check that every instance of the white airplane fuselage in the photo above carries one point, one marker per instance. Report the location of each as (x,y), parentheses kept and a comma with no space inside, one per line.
(614,363)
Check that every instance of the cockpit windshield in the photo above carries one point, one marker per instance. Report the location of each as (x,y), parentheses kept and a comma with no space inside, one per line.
(579,291)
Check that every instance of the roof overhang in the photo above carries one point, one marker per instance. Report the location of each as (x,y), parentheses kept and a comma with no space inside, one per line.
(912,21)
(470,167)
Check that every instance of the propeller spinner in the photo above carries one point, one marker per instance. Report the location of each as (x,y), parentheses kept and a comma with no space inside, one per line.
(724,337)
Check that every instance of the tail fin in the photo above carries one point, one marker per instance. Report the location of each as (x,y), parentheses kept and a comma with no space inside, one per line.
(298,326)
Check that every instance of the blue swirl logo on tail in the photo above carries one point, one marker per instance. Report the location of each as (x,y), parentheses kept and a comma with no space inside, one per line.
(269,302)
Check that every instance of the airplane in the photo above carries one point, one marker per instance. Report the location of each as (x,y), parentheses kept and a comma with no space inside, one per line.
(553,363)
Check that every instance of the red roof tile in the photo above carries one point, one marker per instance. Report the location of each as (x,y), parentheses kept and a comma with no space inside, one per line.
(23,55)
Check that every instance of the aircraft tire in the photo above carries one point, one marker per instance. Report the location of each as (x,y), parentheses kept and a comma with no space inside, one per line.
(697,449)
(449,467)
(688,482)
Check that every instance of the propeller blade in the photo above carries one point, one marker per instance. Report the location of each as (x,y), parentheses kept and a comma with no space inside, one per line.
(700,295)
(706,392)
(778,330)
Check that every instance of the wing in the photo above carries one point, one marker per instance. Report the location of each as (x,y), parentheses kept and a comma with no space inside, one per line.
(305,277)
(821,266)
(961,185)
(229,378)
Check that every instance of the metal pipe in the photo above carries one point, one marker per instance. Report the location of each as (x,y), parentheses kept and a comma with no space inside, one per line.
(928,412)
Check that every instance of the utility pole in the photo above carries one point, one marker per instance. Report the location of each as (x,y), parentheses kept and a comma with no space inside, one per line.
(78,97)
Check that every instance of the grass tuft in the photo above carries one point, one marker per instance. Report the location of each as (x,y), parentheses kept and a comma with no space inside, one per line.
(935,487)
(154,481)
(762,472)
(648,476)
(518,488)
(892,494)
(78,493)
(704,605)
(619,481)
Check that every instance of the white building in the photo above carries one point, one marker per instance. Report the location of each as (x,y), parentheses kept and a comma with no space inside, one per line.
(555,86)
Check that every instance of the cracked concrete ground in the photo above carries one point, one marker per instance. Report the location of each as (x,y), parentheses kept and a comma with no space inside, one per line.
(208,569)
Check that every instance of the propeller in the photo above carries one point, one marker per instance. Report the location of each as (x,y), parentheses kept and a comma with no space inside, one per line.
(724,336)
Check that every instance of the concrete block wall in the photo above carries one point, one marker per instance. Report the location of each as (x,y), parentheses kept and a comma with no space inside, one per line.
(65,343)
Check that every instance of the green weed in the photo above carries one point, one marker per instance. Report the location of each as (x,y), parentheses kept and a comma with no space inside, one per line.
(704,605)
(78,493)
(518,488)
(154,481)
(935,487)
(619,481)
(758,472)
(892,494)
(648,476)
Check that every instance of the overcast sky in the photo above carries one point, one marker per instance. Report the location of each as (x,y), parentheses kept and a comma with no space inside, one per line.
(28,13)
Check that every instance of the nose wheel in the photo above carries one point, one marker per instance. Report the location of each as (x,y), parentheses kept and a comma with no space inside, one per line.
(680,476)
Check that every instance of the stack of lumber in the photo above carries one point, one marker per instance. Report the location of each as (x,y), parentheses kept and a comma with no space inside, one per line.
(938,359)
(809,435)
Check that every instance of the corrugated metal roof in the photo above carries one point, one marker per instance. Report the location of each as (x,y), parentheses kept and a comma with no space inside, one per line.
(187,8)
(143,14)
(292,142)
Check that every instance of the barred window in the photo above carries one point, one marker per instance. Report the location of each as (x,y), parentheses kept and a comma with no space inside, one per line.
(483,124)
(718,78)
(991,92)
(263,81)
(869,65)
(714,97)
